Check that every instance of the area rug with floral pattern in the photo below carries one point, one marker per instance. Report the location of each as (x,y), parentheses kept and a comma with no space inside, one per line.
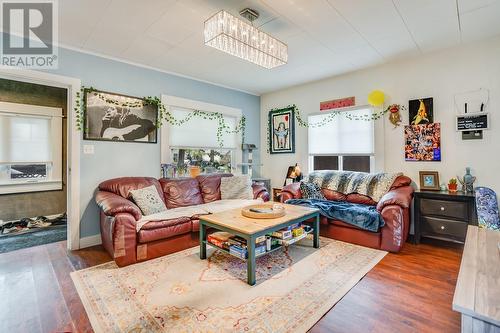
(295,287)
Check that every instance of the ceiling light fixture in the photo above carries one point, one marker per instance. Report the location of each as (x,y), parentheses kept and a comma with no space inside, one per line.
(232,35)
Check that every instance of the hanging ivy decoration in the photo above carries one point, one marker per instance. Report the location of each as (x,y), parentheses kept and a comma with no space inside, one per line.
(330,117)
(163,114)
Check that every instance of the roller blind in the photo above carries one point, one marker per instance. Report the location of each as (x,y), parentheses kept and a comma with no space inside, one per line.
(341,136)
(25,139)
(199,132)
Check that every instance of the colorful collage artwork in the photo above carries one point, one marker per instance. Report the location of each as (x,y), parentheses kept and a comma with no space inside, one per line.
(423,142)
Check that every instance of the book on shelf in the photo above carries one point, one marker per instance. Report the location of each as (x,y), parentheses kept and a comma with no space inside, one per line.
(282,234)
(238,251)
(297,232)
(260,250)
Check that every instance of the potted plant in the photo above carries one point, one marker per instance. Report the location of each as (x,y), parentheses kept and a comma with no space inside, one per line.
(452,185)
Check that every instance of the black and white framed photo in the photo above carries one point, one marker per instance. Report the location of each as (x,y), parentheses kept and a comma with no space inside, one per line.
(114,117)
(282,131)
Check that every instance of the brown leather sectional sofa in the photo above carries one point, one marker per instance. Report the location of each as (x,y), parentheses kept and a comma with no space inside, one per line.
(394,206)
(119,216)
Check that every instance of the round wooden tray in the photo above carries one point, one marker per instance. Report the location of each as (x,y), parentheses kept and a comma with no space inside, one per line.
(245,211)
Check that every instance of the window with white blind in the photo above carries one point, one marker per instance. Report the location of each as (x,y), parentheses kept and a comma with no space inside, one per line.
(30,148)
(341,144)
(199,132)
(195,142)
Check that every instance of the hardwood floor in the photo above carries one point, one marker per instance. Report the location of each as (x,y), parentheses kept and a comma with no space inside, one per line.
(407,292)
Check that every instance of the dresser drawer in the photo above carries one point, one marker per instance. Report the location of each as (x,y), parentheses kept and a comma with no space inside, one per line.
(446,228)
(452,209)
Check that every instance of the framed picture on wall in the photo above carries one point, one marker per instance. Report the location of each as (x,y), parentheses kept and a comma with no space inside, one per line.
(423,142)
(282,131)
(113,117)
(421,111)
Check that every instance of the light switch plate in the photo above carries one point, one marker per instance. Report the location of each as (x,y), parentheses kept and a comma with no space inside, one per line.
(88,149)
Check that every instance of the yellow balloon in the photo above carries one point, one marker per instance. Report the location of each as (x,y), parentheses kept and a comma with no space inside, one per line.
(376,98)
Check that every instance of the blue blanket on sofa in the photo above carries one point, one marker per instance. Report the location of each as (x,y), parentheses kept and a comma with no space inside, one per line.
(362,216)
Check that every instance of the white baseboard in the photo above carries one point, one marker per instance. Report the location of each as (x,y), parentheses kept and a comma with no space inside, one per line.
(90,241)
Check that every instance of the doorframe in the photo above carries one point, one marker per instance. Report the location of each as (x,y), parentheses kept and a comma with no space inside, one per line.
(73,86)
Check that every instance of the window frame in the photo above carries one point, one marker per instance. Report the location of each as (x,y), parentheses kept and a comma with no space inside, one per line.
(341,160)
(53,181)
(174,101)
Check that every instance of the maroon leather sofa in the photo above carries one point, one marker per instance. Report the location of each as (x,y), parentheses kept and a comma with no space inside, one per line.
(394,206)
(119,215)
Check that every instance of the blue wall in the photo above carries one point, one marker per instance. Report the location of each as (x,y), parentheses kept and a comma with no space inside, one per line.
(135,159)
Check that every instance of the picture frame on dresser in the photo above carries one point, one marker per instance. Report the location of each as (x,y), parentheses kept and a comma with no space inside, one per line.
(429,180)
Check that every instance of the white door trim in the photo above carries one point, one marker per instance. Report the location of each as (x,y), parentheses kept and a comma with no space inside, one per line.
(74,137)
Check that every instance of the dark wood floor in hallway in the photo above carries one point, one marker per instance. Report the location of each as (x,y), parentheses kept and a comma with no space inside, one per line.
(407,292)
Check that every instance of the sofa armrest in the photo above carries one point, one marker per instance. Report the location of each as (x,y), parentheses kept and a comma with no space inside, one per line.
(397,226)
(400,196)
(112,204)
(119,237)
(259,191)
(290,191)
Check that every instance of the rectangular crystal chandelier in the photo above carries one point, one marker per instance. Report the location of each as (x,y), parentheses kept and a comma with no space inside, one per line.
(232,35)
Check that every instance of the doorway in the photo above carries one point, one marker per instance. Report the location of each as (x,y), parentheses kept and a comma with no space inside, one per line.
(33,164)
(62,90)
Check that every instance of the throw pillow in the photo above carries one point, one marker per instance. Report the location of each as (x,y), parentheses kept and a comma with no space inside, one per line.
(236,187)
(148,200)
(311,191)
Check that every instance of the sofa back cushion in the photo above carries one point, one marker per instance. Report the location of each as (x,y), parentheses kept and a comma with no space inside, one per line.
(181,192)
(210,186)
(400,182)
(360,199)
(122,186)
(333,195)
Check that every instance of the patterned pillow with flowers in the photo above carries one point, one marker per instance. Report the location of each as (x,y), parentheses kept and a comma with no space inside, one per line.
(148,200)
(311,191)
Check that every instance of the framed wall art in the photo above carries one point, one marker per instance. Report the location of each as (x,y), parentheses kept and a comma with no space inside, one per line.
(423,142)
(114,117)
(421,111)
(282,131)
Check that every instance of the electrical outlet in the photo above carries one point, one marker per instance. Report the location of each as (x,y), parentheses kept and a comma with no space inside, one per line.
(88,149)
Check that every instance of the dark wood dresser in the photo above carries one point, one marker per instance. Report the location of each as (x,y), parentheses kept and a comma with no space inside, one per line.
(443,215)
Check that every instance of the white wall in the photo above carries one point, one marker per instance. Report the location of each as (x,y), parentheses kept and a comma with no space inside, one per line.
(440,75)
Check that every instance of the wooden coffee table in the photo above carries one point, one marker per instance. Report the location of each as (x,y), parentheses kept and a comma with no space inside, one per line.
(248,228)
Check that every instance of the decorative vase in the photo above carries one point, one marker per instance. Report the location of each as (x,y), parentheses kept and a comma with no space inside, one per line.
(467,181)
(194,171)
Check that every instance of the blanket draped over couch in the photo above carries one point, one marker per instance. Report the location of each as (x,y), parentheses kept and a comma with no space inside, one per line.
(362,216)
(374,185)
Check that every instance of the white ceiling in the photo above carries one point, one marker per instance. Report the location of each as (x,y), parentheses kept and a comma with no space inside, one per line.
(324,37)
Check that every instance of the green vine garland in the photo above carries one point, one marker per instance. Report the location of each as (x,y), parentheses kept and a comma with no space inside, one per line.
(163,115)
(330,117)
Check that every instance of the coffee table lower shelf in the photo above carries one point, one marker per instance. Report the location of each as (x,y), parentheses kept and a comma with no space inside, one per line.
(250,237)
(286,244)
